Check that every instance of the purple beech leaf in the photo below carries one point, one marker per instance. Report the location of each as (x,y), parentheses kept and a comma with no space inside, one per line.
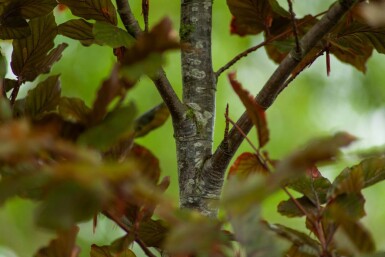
(255,112)
(99,10)
(78,29)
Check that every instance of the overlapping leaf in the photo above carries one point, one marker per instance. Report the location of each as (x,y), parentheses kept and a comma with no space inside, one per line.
(353,42)
(296,237)
(74,110)
(117,124)
(32,56)
(254,16)
(63,246)
(151,120)
(100,10)
(248,224)
(205,237)
(315,189)
(145,56)
(45,97)
(247,164)
(107,34)
(29,9)
(78,29)
(356,178)
(105,251)
(14,28)
(255,112)
(288,208)
(14,13)
(320,150)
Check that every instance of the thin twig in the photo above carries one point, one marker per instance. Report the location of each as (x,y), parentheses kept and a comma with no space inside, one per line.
(243,134)
(15,92)
(254,48)
(145,12)
(295,28)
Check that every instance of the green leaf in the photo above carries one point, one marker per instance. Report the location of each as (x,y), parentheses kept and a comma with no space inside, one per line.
(63,246)
(151,120)
(255,111)
(247,164)
(74,110)
(5,109)
(3,66)
(31,56)
(300,251)
(118,124)
(14,27)
(10,84)
(79,30)
(79,201)
(105,251)
(315,189)
(99,10)
(289,209)
(110,89)
(353,42)
(296,237)
(195,235)
(121,244)
(246,226)
(108,34)
(153,232)
(356,178)
(358,235)
(349,205)
(45,97)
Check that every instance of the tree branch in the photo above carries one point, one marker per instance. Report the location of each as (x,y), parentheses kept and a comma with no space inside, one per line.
(160,80)
(215,168)
(254,48)
(129,21)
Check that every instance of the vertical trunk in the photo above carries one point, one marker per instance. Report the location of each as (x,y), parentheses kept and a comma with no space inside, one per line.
(194,134)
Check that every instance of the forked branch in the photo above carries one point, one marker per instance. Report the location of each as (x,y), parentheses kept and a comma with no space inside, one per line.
(160,80)
(217,165)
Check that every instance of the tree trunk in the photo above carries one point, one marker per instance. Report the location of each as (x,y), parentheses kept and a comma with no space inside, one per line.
(194,134)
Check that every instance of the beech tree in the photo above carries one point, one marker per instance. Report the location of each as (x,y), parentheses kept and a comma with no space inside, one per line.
(80,161)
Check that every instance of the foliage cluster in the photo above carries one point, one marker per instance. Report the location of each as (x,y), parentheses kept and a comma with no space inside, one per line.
(80,161)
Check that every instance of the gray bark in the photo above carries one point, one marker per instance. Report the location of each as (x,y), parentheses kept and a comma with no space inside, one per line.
(200,173)
(194,135)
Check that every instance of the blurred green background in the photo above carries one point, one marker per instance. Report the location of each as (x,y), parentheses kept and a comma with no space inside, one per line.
(313,105)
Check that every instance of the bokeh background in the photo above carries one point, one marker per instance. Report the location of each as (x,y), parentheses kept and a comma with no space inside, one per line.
(313,105)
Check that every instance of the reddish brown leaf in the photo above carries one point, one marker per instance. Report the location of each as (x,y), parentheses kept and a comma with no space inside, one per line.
(151,120)
(162,37)
(247,164)
(255,111)
(352,41)
(254,16)
(63,246)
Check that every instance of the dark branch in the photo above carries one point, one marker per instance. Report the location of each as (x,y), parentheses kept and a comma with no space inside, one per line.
(160,79)
(216,167)
(255,48)
(128,18)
